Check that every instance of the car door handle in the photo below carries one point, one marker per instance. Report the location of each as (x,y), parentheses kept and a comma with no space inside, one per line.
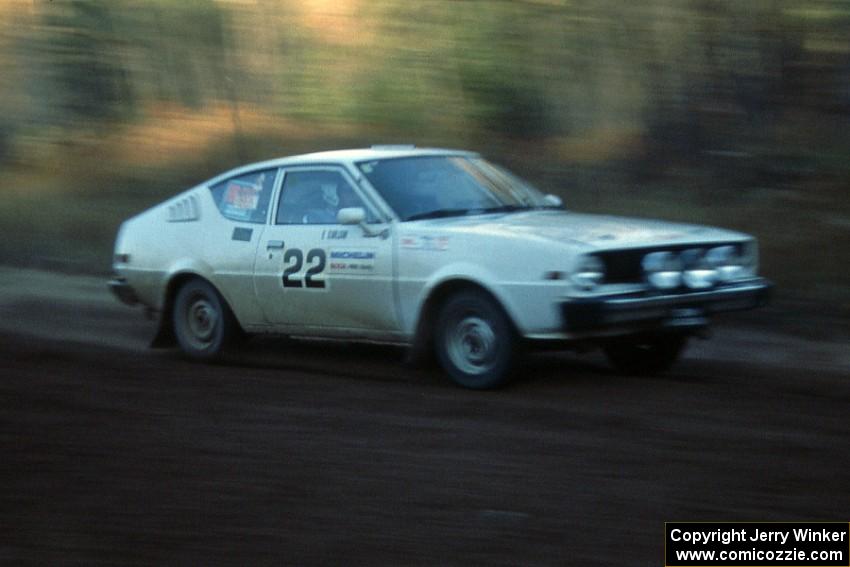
(274,244)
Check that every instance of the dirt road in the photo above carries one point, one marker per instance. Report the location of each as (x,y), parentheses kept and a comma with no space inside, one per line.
(296,453)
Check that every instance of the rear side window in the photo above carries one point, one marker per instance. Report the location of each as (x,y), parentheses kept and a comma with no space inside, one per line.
(245,198)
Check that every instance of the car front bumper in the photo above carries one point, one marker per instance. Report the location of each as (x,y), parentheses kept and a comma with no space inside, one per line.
(666,310)
(122,290)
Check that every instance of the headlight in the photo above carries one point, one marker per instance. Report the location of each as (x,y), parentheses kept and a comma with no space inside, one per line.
(699,272)
(589,273)
(729,264)
(700,268)
(725,260)
(663,270)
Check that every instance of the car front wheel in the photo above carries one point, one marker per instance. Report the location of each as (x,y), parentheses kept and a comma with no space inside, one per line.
(475,342)
(203,323)
(646,354)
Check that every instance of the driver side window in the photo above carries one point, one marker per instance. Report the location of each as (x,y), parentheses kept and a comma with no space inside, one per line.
(315,197)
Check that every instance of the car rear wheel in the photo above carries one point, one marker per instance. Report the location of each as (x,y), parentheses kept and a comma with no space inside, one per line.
(475,342)
(646,354)
(203,323)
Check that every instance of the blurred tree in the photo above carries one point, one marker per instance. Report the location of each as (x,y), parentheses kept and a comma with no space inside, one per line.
(680,79)
(186,46)
(497,72)
(88,81)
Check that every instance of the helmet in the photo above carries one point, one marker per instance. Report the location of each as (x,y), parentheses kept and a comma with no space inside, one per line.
(330,195)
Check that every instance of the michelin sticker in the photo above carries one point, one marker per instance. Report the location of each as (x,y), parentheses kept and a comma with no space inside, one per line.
(425,242)
(352,261)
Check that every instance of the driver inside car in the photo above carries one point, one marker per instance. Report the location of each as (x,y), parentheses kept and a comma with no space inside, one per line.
(328,209)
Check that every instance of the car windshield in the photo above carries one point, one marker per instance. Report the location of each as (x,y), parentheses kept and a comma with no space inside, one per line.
(442,186)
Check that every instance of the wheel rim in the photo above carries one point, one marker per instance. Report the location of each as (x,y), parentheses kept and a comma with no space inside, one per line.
(471,345)
(201,321)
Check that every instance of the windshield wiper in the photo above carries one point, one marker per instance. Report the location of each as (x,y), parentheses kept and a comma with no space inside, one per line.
(439,213)
(504,209)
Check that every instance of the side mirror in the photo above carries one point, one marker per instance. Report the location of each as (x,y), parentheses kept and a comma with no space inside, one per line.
(357,216)
(351,215)
(551,201)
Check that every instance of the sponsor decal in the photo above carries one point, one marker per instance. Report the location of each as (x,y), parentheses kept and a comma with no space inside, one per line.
(334,234)
(425,242)
(352,261)
(241,199)
(352,254)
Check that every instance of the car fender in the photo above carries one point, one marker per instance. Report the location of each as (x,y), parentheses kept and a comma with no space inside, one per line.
(198,268)
(184,267)
(475,275)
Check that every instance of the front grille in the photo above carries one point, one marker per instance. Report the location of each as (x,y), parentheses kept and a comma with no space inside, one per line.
(624,266)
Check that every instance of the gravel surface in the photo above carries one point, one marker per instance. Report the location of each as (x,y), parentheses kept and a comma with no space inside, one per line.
(300,453)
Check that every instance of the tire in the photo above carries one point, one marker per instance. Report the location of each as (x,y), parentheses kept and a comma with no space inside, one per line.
(644,355)
(203,323)
(475,341)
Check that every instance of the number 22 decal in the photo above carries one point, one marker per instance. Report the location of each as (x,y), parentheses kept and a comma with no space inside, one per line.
(316,261)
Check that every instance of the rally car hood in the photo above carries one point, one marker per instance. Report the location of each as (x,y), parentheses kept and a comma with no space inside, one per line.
(585,230)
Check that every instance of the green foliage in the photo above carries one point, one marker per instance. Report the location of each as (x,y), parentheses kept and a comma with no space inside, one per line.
(527,70)
(80,46)
(496,68)
(390,102)
(505,103)
(185,46)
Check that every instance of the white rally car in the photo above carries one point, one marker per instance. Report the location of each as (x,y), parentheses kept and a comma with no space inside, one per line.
(437,249)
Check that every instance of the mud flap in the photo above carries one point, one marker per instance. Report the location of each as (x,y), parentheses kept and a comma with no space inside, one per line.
(164,337)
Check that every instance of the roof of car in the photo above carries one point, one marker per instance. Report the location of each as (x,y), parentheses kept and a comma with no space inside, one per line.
(337,156)
(375,152)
